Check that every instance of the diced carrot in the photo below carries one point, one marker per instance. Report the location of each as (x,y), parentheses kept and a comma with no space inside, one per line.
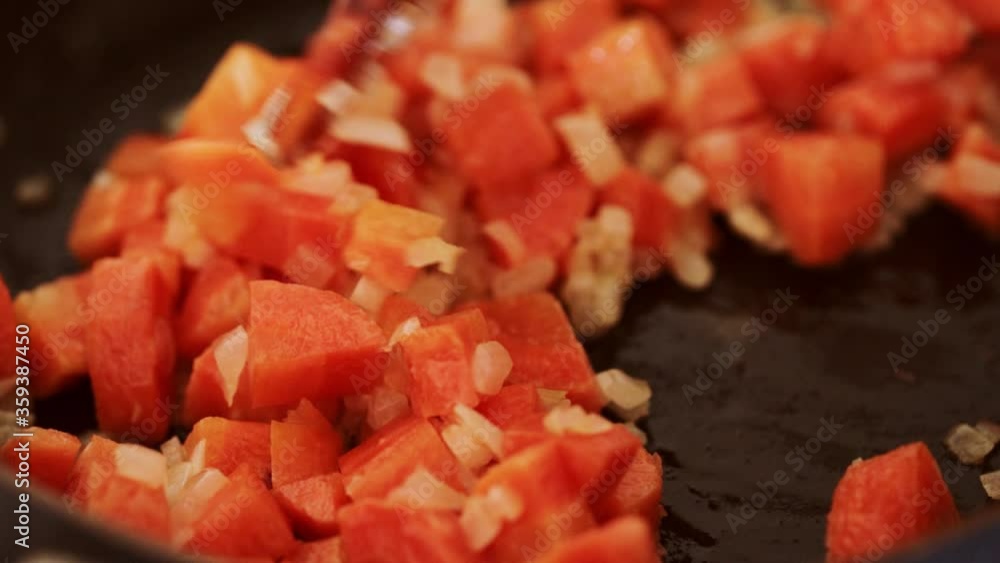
(900,490)
(312,504)
(439,370)
(488,151)
(556,95)
(338,45)
(242,520)
(376,532)
(815,184)
(983,14)
(217,301)
(525,432)
(557,34)
(625,539)
(535,331)
(137,155)
(383,233)
(307,343)
(112,205)
(470,324)
(392,174)
(330,550)
(304,445)
(91,472)
(231,443)
(512,403)
(214,165)
(544,211)
(731,159)
(51,454)
(715,93)
(905,117)
(974,166)
(597,462)
(397,308)
(147,240)
(130,349)
(637,491)
(57,313)
(625,70)
(386,459)
(239,85)
(538,476)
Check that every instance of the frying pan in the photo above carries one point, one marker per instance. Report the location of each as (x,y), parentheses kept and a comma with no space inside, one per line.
(819,363)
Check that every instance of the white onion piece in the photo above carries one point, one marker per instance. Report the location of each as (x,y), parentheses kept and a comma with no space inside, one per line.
(141,464)
(197,457)
(433,250)
(231,357)
(369,294)
(480,427)
(442,73)
(685,185)
(483,516)
(552,398)
(628,397)
(178,476)
(991,484)
(574,420)
(470,452)
(968,444)
(491,364)
(481,24)
(173,451)
(593,148)
(378,132)
(337,97)
(530,276)
(193,501)
(422,490)
(503,234)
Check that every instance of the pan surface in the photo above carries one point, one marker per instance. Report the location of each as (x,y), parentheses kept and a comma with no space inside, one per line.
(766,386)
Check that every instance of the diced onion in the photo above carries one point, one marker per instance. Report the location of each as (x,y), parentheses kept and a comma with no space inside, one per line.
(470,452)
(173,451)
(692,267)
(657,153)
(968,444)
(442,73)
(178,476)
(573,419)
(978,175)
(378,132)
(481,428)
(989,429)
(491,364)
(433,250)
(197,457)
(594,149)
(748,221)
(231,357)
(991,484)
(369,294)
(481,24)
(502,234)
(338,97)
(685,185)
(141,464)
(552,398)
(193,501)
(628,397)
(422,490)
(405,328)
(483,516)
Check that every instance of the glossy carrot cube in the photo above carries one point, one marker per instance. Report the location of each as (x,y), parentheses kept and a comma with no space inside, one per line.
(130,348)
(307,343)
(625,539)
(383,232)
(544,211)
(254,526)
(51,455)
(470,325)
(790,64)
(626,70)
(557,33)
(598,462)
(376,532)
(902,486)
(539,477)
(58,313)
(217,301)
(212,165)
(112,205)
(905,117)
(304,445)
(147,240)
(232,443)
(388,457)
(488,151)
(637,491)
(654,216)
(440,375)
(815,184)
(239,85)
(137,155)
(512,403)
(312,504)
(714,93)
(535,331)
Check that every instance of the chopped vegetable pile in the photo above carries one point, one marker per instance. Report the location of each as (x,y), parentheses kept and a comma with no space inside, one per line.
(337,278)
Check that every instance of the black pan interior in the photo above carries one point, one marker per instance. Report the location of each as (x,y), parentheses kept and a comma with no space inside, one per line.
(824,358)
